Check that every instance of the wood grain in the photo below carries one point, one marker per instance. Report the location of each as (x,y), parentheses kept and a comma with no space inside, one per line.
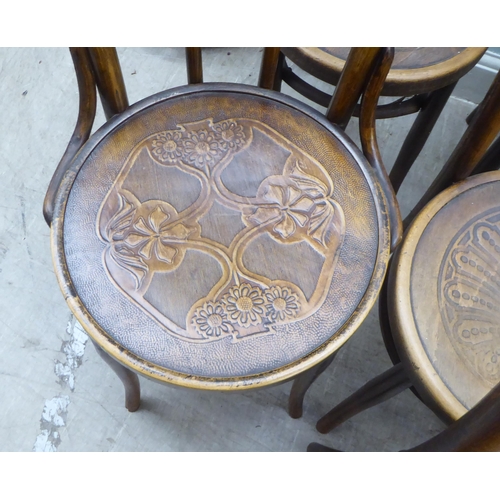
(208,237)
(416,70)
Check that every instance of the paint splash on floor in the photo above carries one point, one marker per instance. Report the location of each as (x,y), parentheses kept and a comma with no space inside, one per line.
(55,410)
(53,418)
(74,349)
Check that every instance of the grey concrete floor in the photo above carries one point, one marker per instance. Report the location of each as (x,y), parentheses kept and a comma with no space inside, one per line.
(57,394)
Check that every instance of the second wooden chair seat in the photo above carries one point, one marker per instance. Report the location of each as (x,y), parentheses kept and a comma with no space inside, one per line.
(415,70)
(423,77)
(443,297)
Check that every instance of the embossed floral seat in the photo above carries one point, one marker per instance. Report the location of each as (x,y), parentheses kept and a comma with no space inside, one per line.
(216,236)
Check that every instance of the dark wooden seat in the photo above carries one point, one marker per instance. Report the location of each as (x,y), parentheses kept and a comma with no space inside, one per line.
(207,236)
(439,308)
(415,70)
(423,78)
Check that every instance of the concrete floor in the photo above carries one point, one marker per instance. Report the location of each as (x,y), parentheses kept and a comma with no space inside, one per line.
(56,394)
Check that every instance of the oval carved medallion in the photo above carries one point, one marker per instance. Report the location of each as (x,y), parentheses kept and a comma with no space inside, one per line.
(469,292)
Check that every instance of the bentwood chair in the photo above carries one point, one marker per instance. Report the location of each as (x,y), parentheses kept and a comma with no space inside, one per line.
(206,236)
(476,430)
(422,77)
(439,310)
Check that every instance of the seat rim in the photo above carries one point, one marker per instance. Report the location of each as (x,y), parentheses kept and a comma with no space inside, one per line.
(160,373)
(427,381)
(399,82)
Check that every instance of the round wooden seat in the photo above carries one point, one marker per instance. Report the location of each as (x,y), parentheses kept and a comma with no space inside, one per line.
(220,237)
(443,296)
(415,70)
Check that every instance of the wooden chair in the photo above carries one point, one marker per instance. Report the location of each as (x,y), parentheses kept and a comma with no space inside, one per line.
(439,309)
(206,236)
(476,430)
(423,78)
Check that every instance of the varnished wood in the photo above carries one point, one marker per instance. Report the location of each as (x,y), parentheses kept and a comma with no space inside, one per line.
(491,160)
(442,300)
(133,232)
(368,133)
(416,71)
(83,127)
(477,430)
(194,65)
(269,68)
(442,293)
(381,388)
(109,79)
(129,379)
(359,66)
(483,129)
(418,134)
(400,107)
(301,385)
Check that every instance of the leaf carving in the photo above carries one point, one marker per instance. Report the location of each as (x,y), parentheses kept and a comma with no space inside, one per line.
(309,184)
(121,221)
(320,222)
(127,260)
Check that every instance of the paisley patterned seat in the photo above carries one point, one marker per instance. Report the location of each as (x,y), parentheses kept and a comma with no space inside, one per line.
(218,236)
(446,277)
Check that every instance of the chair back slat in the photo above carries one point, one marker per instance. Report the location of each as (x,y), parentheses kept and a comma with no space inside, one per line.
(194,65)
(357,70)
(83,128)
(474,143)
(269,68)
(109,80)
(368,134)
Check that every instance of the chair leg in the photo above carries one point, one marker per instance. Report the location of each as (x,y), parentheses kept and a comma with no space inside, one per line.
(278,78)
(302,383)
(418,134)
(316,447)
(381,388)
(129,379)
(491,160)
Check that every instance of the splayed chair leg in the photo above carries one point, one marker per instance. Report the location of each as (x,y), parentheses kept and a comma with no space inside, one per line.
(302,383)
(381,388)
(419,133)
(129,379)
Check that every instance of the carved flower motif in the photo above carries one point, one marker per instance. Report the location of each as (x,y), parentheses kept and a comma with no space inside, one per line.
(287,202)
(210,320)
(167,146)
(201,148)
(299,206)
(229,134)
(282,303)
(151,236)
(245,304)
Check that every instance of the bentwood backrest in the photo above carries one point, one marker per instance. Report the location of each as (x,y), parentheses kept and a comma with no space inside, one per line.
(99,66)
